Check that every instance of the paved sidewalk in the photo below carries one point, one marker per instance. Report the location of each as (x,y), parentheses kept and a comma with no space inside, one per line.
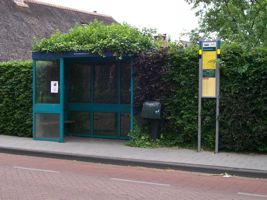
(116,152)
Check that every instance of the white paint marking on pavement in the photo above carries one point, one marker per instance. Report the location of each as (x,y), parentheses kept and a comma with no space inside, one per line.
(35,169)
(141,182)
(252,194)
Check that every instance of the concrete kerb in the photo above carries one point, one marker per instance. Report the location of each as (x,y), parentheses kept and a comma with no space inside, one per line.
(141,163)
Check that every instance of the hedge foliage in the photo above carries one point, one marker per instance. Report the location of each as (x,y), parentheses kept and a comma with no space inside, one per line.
(171,76)
(150,68)
(244,99)
(16,98)
(99,38)
(243,105)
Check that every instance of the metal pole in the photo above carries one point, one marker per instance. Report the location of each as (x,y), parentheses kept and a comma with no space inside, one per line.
(33,97)
(199,104)
(217,104)
(217,98)
(62,97)
(119,97)
(132,98)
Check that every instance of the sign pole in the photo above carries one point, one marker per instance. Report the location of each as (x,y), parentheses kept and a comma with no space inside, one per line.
(217,113)
(209,82)
(217,96)
(199,98)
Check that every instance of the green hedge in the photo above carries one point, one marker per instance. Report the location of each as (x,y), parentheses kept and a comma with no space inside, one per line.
(174,72)
(243,105)
(99,38)
(16,98)
(181,101)
(244,99)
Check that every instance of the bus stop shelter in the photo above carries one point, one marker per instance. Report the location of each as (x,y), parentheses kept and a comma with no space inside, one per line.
(81,94)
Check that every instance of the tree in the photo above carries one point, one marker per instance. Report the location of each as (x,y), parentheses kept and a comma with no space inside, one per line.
(243,21)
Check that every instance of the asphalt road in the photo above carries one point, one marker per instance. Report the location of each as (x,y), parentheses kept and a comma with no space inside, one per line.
(25,177)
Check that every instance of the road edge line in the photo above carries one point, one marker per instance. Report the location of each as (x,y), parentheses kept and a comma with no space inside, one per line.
(254,173)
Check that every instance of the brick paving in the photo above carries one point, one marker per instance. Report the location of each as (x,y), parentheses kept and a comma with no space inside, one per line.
(26,178)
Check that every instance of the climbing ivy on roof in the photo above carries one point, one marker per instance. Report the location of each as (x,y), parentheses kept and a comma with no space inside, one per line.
(99,38)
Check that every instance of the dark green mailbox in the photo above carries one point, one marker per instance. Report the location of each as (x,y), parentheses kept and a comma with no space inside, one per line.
(151,110)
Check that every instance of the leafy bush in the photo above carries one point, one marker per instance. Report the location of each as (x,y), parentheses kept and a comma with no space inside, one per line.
(169,75)
(140,137)
(244,99)
(243,104)
(99,38)
(181,102)
(150,68)
(16,98)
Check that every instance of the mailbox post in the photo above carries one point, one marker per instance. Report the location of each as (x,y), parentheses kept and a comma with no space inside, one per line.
(151,111)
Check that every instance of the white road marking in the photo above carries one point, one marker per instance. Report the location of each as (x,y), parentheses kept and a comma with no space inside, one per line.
(252,194)
(141,182)
(35,169)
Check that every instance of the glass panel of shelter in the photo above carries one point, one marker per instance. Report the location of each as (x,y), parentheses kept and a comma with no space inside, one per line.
(46,100)
(79,82)
(47,72)
(105,83)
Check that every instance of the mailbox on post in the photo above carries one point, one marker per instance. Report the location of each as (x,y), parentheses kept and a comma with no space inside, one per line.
(151,111)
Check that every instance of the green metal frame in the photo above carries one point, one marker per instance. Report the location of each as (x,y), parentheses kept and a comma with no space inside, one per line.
(33,98)
(132,98)
(83,107)
(62,96)
(119,98)
(48,108)
(92,107)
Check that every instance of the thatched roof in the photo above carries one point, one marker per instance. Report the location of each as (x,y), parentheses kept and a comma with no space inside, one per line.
(21,22)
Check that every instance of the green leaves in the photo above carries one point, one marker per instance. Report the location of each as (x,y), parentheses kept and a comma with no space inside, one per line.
(99,38)
(239,21)
(16,98)
(172,77)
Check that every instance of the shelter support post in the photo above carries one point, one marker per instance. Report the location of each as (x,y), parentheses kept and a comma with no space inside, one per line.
(33,97)
(132,98)
(61,133)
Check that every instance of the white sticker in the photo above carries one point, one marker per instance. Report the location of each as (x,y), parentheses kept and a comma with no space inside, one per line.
(54,87)
(209,44)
